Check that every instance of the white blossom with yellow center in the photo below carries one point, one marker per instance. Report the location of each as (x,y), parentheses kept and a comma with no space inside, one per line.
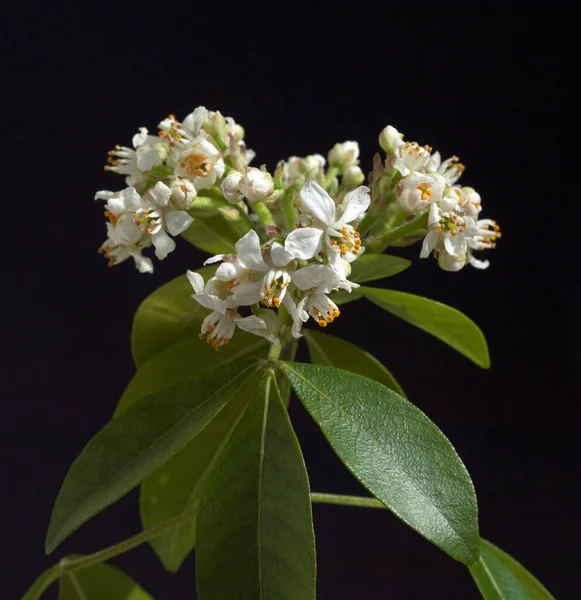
(331,230)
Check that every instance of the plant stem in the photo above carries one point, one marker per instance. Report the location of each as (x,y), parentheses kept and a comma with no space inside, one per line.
(331,174)
(289,211)
(346,500)
(264,214)
(274,351)
(69,565)
(415,227)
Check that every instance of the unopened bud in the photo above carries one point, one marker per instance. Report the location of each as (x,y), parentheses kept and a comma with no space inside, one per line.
(230,187)
(183,193)
(389,139)
(344,155)
(448,262)
(256,185)
(353,177)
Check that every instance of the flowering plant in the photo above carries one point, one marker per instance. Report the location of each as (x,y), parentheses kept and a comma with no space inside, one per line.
(207,434)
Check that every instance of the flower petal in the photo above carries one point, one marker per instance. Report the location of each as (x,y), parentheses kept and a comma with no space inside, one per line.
(196,280)
(456,246)
(311,276)
(297,313)
(248,250)
(214,259)
(479,264)
(177,221)
(160,194)
(280,257)
(429,243)
(163,244)
(358,203)
(314,199)
(305,242)
(194,121)
(245,294)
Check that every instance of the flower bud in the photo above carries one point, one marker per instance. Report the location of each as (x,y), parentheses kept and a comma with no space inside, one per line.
(448,262)
(344,155)
(471,203)
(353,177)
(256,185)
(230,187)
(389,139)
(183,193)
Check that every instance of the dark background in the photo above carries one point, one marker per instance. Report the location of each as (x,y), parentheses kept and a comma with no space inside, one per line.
(491,83)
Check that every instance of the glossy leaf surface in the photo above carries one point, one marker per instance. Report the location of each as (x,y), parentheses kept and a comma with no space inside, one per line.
(214,235)
(255,533)
(165,316)
(100,582)
(500,577)
(332,351)
(139,441)
(369,267)
(188,357)
(176,488)
(396,452)
(444,322)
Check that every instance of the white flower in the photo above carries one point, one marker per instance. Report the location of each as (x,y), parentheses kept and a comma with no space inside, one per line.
(447,231)
(409,157)
(183,193)
(184,133)
(116,253)
(135,163)
(230,189)
(124,237)
(201,162)
(450,169)
(343,156)
(158,217)
(256,185)
(416,191)
(219,326)
(250,277)
(331,226)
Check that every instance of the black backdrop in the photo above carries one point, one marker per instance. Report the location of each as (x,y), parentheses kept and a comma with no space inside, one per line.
(489,84)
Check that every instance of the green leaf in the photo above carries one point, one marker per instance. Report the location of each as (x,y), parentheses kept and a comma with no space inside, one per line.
(369,267)
(165,316)
(442,321)
(214,235)
(396,452)
(334,352)
(100,582)
(188,357)
(255,533)
(177,487)
(42,583)
(343,297)
(138,442)
(500,577)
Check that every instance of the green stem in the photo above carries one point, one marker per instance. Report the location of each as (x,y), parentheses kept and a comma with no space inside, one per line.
(366,223)
(289,211)
(264,214)
(274,351)
(346,500)
(331,174)
(381,242)
(70,565)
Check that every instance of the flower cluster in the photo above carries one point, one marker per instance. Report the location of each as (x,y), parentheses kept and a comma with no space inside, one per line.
(164,174)
(299,228)
(424,184)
